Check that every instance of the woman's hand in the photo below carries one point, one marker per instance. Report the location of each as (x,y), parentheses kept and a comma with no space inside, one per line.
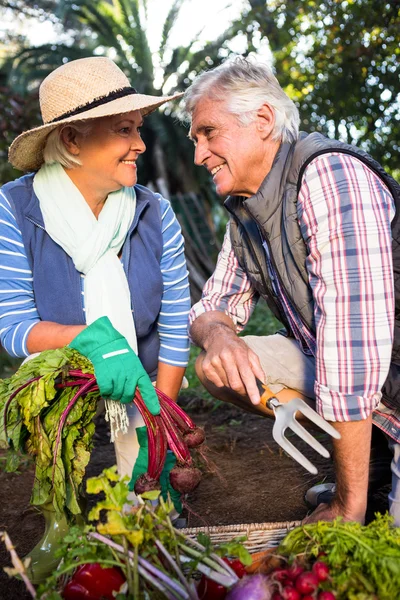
(117,368)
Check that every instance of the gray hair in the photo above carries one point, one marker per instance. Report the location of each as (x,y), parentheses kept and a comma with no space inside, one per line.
(244,86)
(55,150)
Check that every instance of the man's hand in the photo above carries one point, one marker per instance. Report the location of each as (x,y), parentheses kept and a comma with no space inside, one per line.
(228,361)
(351,454)
(329,512)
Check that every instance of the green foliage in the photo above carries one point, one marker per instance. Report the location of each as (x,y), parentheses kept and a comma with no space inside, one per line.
(340,62)
(119,28)
(364,561)
(18,113)
(32,422)
(132,538)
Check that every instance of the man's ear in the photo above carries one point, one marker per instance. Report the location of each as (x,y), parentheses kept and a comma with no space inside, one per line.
(70,138)
(265,120)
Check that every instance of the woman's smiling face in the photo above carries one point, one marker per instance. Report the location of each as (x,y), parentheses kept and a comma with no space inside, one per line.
(108,154)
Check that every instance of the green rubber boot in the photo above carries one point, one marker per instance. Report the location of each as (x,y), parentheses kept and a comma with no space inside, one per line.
(43,561)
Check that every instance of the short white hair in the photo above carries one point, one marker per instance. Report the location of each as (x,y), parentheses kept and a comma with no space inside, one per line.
(55,150)
(244,86)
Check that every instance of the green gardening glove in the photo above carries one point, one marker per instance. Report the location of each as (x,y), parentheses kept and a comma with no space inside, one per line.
(117,368)
(141,466)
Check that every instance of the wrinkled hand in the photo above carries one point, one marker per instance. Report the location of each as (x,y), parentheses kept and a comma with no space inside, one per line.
(117,368)
(229,362)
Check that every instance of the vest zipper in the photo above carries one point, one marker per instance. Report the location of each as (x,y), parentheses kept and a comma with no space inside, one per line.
(292,301)
(284,320)
(35,223)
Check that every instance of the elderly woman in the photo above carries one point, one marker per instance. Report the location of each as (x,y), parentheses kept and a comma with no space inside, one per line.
(89,258)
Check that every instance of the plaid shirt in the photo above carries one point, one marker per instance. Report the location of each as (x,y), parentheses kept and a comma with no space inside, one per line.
(344,212)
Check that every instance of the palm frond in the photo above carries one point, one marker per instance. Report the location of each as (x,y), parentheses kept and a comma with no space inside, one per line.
(168,25)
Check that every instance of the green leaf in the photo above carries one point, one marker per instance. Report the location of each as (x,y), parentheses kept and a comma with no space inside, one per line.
(152,495)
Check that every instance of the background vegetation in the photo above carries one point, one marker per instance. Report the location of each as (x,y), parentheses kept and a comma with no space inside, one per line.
(338,60)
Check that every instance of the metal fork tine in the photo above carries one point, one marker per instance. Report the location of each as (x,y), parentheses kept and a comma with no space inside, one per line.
(305,435)
(300,405)
(277,433)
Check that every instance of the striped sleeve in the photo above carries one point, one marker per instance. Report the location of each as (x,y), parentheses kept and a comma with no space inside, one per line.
(173,318)
(228,290)
(18,313)
(345,213)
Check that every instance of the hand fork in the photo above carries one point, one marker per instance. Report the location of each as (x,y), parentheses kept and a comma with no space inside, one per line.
(285,418)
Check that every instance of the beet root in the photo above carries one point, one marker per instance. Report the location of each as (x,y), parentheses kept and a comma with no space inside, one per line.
(194,437)
(184,478)
(145,483)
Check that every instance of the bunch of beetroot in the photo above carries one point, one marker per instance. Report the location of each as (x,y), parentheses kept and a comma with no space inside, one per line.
(175,430)
(295,582)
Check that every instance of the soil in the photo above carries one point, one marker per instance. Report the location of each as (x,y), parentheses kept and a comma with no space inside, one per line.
(257,481)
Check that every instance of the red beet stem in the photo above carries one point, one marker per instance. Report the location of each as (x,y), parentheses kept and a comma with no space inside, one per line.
(175,440)
(150,422)
(179,422)
(161,446)
(79,373)
(176,409)
(87,387)
(11,398)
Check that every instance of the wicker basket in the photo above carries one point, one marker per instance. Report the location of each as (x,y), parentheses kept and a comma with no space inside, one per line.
(259,536)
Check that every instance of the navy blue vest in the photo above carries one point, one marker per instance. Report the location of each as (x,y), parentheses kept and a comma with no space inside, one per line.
(57,284)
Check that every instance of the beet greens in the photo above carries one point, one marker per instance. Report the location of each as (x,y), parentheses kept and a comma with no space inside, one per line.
(47,409)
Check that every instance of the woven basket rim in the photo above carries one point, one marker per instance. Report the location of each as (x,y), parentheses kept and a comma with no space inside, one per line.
(242,527)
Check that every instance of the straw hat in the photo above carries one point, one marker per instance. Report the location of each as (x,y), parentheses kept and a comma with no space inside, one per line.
(86,88)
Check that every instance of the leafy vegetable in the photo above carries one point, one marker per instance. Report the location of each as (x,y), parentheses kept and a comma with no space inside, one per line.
(47,409)
(363,561)
(157,561)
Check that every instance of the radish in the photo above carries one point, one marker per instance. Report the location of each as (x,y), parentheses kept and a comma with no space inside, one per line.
(321,570)
(295,570)
(326,596)
(290,593)
(252,587)
(184,478)
(306,583)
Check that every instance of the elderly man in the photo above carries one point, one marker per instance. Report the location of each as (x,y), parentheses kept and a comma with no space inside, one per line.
(310,231)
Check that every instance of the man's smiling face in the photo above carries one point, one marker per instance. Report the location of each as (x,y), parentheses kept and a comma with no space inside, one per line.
(233,154)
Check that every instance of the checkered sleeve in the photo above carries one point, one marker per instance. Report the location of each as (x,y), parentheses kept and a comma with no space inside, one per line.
(345,212)
(228,290)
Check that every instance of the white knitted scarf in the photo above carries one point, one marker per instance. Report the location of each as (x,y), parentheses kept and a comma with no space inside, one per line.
(93,244)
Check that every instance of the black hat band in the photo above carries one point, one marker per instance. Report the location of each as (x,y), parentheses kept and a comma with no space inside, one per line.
(126,91)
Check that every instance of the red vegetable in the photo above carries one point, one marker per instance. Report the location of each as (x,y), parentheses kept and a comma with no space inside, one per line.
(237,566)
(306,583)
(145,483)
(326,596)
(184,478)
(321,570)
(294,571)
(290,593)
(93,582)
(210,590)
(194,437)
(281,575)
(76,591)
